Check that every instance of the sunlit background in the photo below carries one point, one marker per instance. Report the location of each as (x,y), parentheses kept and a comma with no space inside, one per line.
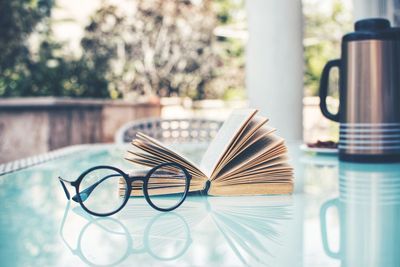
(149,58)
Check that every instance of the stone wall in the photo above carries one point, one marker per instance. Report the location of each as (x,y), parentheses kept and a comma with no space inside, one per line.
(29,126)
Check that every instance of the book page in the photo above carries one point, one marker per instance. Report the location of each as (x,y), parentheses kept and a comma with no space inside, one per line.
(247,189)
(165,148)
(232,127)
(265,167)
(247,134)
(158,153)
(243,142)
(149,152)
(253,153)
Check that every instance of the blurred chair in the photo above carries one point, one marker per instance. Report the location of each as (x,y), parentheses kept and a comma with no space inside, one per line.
(170,130)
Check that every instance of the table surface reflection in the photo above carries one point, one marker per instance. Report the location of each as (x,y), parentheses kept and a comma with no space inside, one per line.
(341,214)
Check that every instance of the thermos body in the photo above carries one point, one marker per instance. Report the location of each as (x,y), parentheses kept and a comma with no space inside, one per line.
(369,109)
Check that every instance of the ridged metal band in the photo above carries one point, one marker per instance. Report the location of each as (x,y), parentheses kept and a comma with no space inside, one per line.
(373,137)
(363,186)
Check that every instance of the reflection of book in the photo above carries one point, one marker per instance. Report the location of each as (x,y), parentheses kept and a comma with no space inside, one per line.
(253,227)
(245,158)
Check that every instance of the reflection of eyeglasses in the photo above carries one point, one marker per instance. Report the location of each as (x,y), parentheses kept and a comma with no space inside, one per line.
(164,187)
(164,233)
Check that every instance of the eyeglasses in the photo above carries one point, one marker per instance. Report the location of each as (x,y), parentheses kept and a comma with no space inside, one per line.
(105,190)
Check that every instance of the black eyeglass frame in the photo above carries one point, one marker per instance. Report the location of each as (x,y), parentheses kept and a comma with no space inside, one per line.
(128,180)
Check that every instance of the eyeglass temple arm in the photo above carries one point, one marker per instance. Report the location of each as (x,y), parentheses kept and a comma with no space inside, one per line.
(62,182)
(84,194)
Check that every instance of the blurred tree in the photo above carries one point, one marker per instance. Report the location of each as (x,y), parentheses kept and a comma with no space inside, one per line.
(103,38)
(231,35)
(169,48)
(54,74)
(323,32)
(18,19)
(49,72)
(165,49)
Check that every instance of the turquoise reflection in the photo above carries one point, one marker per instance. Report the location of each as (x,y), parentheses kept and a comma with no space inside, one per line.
(27,218)
(368,213)
(253,226)
(165,232)
(253,229)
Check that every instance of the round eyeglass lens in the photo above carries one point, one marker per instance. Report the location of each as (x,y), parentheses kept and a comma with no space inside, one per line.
(167,186)
(103,190)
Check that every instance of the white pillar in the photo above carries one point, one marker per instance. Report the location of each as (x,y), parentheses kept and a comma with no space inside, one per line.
(274,64)
(388,9)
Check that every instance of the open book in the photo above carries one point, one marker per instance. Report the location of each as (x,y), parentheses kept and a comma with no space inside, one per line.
(244,158)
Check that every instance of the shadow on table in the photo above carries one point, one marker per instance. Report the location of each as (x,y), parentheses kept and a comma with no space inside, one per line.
(249,225)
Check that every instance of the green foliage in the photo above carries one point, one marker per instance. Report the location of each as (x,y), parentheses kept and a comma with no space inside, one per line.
(52,75)
(17,20)
(225,10)
(230,75)
(49,72)
(59,76)
(234,94)
(195,65)
(323,32)
(167,49)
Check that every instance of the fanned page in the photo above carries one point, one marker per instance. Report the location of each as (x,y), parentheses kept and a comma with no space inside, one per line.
(258,167)
(225,138)
(149,152)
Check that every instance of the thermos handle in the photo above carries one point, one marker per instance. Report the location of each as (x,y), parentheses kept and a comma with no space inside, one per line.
(324,234)
(323,89)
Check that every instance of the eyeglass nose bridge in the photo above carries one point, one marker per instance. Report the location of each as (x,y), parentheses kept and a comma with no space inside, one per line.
(135,183)
(136,179)
(132,179)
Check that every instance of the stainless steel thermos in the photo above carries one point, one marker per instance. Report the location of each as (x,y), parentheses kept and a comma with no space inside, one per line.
(369,93)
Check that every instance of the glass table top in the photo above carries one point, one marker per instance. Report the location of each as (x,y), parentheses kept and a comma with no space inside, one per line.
(341,214)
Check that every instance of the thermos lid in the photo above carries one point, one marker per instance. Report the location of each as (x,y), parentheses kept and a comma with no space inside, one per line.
(375,28)
(377,24)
